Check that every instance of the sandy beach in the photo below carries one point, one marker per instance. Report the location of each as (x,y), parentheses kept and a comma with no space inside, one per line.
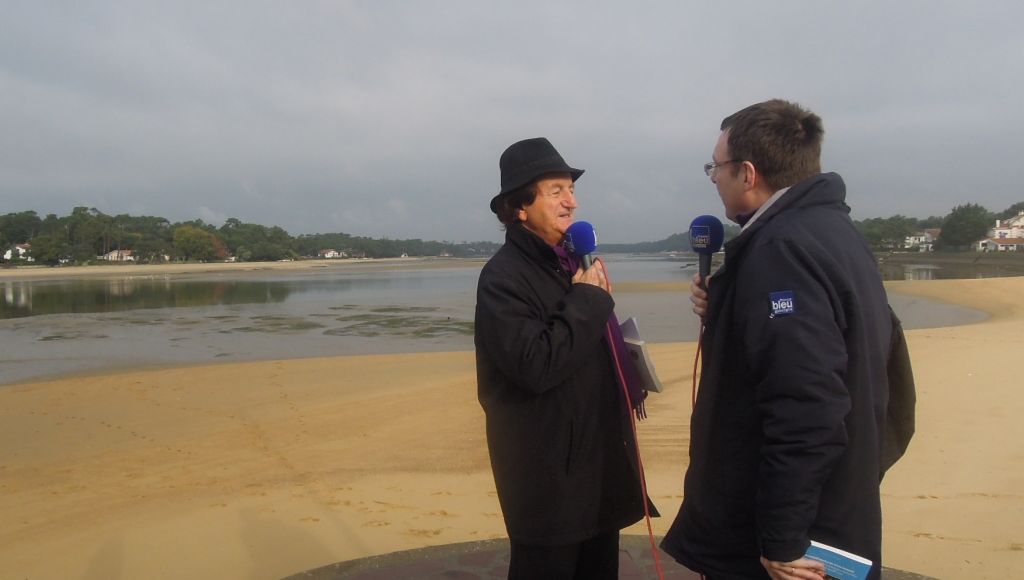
(265,469)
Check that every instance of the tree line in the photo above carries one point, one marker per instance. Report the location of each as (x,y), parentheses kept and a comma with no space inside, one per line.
(87,233)
(960,229)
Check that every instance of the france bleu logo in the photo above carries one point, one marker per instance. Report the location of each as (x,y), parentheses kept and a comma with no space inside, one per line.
(783,303)
(700,236)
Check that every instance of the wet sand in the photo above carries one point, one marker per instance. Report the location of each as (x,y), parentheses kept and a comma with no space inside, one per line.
(264,469)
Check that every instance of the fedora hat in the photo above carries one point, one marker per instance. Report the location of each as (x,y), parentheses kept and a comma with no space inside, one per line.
(527,160)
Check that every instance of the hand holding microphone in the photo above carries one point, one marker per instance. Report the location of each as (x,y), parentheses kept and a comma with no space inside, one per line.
(706,236)
(698,295)
(581,242)
(596,276)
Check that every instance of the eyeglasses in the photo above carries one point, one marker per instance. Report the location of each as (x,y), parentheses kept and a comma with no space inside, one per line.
(710,168)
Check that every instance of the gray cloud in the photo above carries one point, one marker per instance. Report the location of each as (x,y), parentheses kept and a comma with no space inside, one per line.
(387,118)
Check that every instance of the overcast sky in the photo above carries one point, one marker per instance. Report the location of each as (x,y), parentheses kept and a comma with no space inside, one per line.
(387,118)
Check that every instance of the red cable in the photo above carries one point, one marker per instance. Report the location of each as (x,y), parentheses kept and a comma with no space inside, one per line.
(693,397)
(636,439)
(696,359)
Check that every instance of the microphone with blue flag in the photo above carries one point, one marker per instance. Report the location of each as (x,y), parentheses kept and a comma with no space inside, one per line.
(706,236)
(581,241)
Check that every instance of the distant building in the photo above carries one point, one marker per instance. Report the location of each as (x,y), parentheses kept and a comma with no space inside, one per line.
(330,254)
(118,256)
(1008,228)
(22,250)
(1006,236)
(924,240)
(1000,245)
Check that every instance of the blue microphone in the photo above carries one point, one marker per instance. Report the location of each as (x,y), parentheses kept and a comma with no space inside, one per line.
(706,236)
(581,241)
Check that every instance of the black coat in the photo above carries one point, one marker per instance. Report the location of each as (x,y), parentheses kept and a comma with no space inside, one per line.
(787,431)
(556,422)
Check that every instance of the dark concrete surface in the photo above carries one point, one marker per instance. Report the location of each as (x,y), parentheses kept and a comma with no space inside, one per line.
(488,560)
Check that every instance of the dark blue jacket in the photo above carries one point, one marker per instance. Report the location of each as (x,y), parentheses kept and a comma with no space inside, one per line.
(788,427)
(556,423)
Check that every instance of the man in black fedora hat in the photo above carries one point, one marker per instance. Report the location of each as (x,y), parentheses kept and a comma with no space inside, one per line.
(561,449)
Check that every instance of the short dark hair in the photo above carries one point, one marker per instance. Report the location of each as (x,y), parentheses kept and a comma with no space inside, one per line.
(508,205)
(782,140)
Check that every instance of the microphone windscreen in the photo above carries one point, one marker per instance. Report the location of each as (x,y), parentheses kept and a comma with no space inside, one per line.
(581,239)
(706,234)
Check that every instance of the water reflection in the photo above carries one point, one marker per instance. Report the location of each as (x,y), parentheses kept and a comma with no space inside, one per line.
(924,271)
(22,299)
(910,272)
(102,324)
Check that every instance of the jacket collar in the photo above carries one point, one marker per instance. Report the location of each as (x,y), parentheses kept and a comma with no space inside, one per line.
(530,244)
(819,190)
(748,219)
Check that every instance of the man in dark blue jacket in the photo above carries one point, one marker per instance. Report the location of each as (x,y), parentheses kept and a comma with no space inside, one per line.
(561,449)
(787,429)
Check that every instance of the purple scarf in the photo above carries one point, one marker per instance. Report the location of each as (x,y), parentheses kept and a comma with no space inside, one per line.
(613,334)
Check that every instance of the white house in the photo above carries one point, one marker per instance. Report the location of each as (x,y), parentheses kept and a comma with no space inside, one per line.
(1000,245)
(118,256)
(924,241)
(1008,228)
(1006,236)
(330,254)
(22,250)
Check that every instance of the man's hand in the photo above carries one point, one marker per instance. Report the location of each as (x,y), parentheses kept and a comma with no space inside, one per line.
(595,275)
(802,568)
(699,296)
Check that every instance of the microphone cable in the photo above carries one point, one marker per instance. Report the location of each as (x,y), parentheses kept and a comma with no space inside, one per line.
(696,356)
(636,439)
(696,362)
(693,388)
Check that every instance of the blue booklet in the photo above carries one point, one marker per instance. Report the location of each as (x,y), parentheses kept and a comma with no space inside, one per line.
(839,564)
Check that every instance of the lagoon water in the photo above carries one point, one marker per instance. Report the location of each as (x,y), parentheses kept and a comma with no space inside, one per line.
(53,327)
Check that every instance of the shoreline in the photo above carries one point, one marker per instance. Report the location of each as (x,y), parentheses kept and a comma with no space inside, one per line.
(980,258)
(268,468)
(1010,262)
(915,311)
(31,273)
